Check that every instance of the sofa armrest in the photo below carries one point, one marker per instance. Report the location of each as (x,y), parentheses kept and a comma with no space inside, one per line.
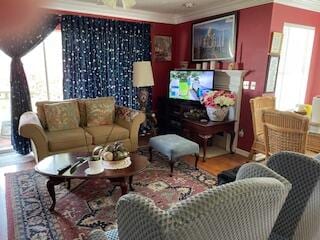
(130,119)
(30,127)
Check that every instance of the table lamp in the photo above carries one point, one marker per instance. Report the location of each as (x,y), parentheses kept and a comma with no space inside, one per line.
(143,78)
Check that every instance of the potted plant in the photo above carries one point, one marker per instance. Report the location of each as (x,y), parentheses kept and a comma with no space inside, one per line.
(217,104)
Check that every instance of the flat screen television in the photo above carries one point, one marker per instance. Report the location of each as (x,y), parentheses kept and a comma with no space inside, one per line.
(190,84)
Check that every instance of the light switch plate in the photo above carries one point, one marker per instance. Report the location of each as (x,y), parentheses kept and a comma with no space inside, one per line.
(246,84)
(253,86)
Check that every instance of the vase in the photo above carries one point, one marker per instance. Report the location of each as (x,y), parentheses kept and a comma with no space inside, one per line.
(217,114)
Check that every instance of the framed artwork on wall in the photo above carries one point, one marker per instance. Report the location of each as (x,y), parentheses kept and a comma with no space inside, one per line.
(215,39)
(276,43)
(272,73)
(163,48)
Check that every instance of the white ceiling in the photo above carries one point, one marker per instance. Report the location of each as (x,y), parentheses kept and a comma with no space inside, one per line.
(166,6)
(171,11)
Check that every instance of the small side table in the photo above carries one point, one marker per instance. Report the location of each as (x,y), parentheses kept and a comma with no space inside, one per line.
(207,130)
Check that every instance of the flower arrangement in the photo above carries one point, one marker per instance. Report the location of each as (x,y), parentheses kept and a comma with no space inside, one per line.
(218,99)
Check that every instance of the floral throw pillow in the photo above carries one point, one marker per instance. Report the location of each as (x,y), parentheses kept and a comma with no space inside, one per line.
(99,113)
(125,113)
(62,116)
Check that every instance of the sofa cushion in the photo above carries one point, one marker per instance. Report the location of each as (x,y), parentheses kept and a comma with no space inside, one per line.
(107,133)
(41,113)
(82,107)
(62,116)
(67,139)
(100,112)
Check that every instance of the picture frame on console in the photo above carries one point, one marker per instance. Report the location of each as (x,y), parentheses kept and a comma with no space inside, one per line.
(215,39)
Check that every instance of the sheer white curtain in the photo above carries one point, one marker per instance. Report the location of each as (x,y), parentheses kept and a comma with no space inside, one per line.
(294,65)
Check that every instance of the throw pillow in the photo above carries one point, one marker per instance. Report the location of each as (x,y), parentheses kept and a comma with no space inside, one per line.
(61,116)
(126,114)
(100,112)
(82,107)
(41,113)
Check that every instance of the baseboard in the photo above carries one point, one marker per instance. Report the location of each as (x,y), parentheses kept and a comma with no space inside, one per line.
(242,152)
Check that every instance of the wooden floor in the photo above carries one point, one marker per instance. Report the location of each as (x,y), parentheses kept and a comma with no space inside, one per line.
(218,164)
(213,165)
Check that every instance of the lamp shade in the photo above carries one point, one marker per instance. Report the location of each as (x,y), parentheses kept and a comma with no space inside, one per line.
(142,74)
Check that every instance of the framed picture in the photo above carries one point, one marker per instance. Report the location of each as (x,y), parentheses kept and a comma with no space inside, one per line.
(272,73)
(276,43)
(214,39)
(163,48)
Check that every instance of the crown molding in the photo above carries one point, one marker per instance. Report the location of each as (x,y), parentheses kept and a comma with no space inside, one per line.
(95,9)
(220,8)
(311,5)
(140,15)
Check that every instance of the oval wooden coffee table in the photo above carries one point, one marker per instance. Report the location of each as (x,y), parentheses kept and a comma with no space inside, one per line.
(50,166)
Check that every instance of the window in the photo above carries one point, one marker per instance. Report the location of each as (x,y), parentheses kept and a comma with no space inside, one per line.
(5,116)
(43,68)
(294,65)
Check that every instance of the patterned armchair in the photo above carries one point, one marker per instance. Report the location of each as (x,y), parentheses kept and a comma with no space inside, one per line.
(299,218)
(243,210)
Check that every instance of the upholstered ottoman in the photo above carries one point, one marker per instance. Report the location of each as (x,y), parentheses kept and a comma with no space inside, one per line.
(174,147)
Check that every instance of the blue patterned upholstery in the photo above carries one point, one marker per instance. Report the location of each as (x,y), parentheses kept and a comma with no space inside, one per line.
(242,210)
(173,146)
(299,218)
(98,234)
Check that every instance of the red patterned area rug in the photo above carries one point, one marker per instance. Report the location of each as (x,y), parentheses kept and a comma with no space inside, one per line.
(90,204)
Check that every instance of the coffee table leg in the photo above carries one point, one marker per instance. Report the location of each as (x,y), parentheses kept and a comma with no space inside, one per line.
(130,183)
(50,186)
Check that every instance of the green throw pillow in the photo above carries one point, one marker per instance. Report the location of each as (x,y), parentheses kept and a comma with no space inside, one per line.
(62,116)
(100,112)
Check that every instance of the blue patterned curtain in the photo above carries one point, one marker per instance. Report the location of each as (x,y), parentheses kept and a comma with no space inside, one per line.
(16,47)
(98,55)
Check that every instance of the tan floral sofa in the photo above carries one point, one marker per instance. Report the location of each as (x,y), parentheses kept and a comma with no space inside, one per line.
(78,125)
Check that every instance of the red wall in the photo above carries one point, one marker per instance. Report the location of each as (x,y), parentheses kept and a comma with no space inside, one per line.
(161,69)
(282,14)
(254,36)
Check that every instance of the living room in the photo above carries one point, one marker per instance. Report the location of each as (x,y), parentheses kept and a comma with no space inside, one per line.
(142,120)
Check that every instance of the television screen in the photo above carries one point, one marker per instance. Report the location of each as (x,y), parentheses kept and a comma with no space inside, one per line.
(190,84)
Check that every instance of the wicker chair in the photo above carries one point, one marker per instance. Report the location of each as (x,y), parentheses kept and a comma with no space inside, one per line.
(284,131)
(257,105)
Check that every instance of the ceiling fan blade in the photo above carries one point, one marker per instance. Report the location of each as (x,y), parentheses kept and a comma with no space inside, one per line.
(128,3)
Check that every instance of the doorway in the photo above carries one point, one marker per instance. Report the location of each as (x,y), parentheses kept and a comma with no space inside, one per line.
(294,66)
